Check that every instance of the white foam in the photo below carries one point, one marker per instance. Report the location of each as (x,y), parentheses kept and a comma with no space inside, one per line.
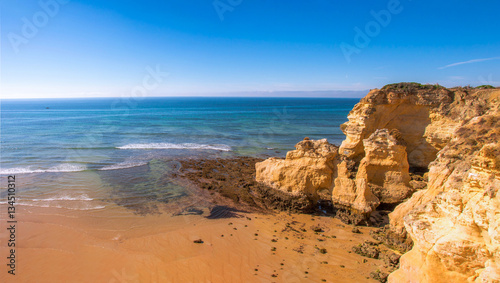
(65,207)
(123,165)
(221,147)
(79,202)
(83,197)
(58,168)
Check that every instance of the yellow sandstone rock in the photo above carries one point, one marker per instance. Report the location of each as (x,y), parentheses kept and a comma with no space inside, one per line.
(308,170)
(454,221)
(456,234)
(382,177)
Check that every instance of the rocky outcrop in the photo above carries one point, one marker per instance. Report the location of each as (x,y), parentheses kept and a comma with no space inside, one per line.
(306,171)
(410,114)
(425,115)
(451,214)
(382,177)
(452,221)
(385,167)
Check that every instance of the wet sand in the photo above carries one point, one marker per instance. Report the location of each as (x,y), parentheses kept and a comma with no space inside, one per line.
(116,245)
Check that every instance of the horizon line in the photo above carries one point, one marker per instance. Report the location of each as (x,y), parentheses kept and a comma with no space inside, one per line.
(243,94)
(186,96)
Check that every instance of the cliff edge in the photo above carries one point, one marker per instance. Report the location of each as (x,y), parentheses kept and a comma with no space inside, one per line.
(430,152)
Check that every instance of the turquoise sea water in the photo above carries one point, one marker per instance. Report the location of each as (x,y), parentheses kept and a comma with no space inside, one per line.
(74,152)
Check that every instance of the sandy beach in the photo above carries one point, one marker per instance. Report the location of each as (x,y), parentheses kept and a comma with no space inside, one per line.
(58,245)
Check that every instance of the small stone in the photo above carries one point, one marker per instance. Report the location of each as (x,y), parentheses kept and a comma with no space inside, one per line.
(380,276)
(317,229)
(356,230)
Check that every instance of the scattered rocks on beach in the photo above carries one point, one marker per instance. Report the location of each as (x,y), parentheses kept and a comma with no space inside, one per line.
(368,248)
(234,178)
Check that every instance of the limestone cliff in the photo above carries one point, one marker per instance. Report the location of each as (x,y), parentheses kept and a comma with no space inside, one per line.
(455,223)
(394,135)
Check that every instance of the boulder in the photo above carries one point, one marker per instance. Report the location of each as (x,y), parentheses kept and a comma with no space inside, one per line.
(308,170)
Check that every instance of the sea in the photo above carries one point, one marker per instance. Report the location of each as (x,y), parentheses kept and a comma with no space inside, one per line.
(100,153)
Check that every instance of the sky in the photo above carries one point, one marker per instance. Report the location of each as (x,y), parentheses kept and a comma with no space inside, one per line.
(84,48)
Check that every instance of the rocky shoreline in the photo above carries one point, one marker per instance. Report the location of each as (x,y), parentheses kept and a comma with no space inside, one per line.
(234,179)
(235,192)
(427,154)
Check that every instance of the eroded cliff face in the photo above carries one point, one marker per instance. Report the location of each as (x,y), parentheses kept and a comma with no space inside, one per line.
(455,224)
(382,177)
(308,170)
(410,114)
(454,219)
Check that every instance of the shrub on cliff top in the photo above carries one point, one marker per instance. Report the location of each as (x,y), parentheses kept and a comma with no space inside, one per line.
(485,87)
(410,87)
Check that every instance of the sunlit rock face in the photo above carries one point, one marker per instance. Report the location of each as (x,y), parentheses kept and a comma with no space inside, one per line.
(453,220)
(411,114)
(382,177)
(455,223)
(308,170)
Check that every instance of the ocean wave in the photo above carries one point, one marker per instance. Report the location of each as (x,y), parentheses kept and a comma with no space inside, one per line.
(87,207)
(58,168)
(221,147)
(79,202)
(123,165)
(83,197)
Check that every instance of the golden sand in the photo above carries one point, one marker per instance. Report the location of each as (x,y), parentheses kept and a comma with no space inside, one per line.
(114,245)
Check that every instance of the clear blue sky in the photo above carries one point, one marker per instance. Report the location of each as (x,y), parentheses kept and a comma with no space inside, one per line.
(103,48)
